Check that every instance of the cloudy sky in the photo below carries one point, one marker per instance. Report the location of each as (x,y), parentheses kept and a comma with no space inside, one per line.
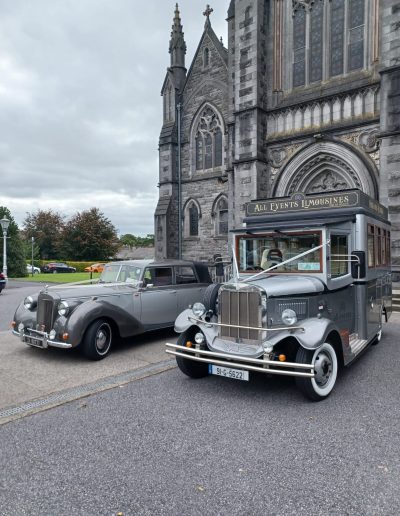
(80,105)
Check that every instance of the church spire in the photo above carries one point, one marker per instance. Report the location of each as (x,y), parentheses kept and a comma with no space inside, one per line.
(177,45)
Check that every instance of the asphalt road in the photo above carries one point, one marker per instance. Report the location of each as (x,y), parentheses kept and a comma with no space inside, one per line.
(169,445)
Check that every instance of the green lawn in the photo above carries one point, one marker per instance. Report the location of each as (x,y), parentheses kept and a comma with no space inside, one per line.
(59,278)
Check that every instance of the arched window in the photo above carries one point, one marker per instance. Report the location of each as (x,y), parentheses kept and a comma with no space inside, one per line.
(221,213)
(208,142)
(193,220)
(327,35)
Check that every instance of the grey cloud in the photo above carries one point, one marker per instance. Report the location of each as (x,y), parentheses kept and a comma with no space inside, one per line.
(80,106)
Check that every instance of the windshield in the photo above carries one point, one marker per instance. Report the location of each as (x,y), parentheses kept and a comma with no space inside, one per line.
(115,272)
(258,253)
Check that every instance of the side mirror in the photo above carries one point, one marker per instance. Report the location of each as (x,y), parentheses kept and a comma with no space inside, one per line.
(358,264)
(143,285)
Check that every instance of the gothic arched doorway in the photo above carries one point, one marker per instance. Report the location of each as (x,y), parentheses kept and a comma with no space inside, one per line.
(326,166)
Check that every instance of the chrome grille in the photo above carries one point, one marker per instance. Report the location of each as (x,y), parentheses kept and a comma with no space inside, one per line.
(45,314)
(240,308)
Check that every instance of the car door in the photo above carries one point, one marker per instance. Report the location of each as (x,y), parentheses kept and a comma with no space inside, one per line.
(158,298)
(189,289)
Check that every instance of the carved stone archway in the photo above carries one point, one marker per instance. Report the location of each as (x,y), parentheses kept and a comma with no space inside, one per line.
(326,166)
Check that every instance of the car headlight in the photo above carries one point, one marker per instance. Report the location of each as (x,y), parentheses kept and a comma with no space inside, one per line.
(199,338)
(28,302)
(289,317)
(63,308)
(52,334)
(199,309)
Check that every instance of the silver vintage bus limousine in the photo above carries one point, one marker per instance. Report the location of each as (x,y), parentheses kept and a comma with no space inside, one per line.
(310,291)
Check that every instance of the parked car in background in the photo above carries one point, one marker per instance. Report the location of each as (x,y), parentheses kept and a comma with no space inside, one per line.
(129,298)
(36,270)
(96,267)
(55,267)
(2,281)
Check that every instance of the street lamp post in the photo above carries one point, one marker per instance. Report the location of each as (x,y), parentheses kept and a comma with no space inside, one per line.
(4,225)
(32,270)
(179,108)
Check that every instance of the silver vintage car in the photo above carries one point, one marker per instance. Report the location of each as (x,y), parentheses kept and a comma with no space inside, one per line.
(130,298)
(311,291)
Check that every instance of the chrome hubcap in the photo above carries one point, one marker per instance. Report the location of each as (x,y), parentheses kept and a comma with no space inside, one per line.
(323,368)
(101,339)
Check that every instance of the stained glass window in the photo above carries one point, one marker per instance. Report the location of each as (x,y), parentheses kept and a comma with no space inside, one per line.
(316,41)
(193,220)
(208,141)
(356,34)
(208,151)
(218,147)
(337,36)
(328,38)
(199,152)
(222,214)
(299,47)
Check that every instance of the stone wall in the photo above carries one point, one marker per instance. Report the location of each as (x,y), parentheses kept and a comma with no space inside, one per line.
(204,86)
(390,119)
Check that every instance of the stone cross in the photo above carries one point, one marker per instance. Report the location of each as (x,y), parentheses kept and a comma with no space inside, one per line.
(208,11)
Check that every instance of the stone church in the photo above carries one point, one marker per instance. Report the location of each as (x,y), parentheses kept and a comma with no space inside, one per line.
(306,97)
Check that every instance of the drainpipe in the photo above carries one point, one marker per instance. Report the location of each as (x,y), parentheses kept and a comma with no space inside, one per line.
(178,107)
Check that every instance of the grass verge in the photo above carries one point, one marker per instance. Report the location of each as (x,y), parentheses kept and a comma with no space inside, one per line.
(59,278)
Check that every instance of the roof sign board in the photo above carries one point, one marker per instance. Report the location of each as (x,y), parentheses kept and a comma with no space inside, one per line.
(300,202)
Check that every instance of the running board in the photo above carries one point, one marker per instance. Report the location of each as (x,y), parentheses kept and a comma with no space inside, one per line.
(356,344)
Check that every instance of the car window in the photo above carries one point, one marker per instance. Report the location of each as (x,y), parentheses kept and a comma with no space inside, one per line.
(132,274)
(110,273)
(158,276)
(339,256)
(185,274)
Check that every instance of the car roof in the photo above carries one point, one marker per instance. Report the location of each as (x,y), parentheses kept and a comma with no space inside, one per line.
(201,268)
(157,263)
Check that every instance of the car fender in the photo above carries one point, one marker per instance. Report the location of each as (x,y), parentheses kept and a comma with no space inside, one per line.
(84,314)
(316,330)
(182,322)
(24,316)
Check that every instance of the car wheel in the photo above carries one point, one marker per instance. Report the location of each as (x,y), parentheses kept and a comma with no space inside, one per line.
(97,340)
(325,364)
(55,271)
(190,367)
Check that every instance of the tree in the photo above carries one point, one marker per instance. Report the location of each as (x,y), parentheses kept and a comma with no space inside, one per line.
(28,249)
(137,241)
(89,235)
(46,227)
(16,265)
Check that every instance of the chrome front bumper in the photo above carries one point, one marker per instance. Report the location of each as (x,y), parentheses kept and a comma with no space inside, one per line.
(240,362)
(40,339)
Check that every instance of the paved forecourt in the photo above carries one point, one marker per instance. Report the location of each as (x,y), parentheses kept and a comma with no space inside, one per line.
(28,373)
(33,379)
